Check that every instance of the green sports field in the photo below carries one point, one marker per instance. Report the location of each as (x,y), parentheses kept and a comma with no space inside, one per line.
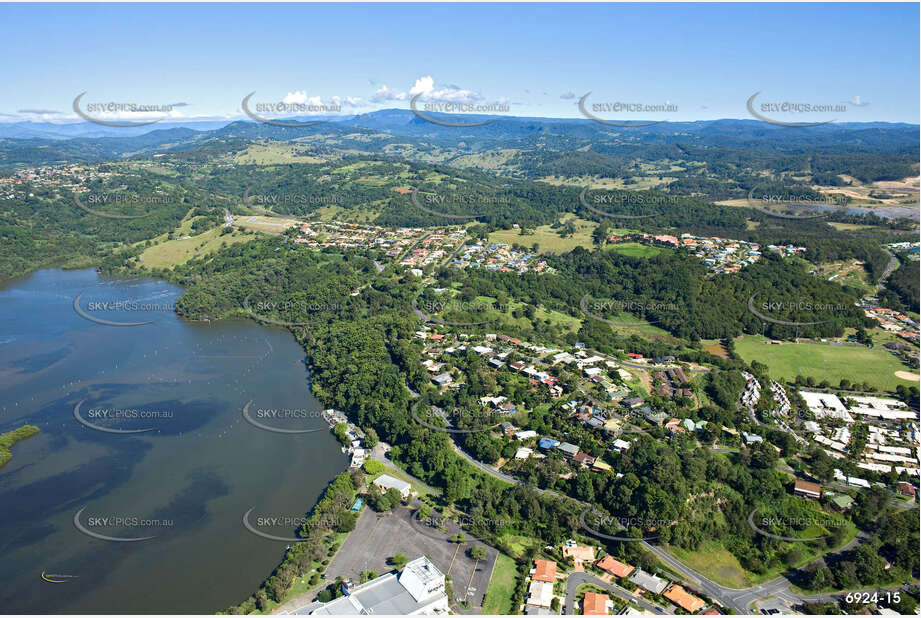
(875,366)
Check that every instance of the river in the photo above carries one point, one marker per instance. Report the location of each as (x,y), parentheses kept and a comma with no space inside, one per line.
(161,450)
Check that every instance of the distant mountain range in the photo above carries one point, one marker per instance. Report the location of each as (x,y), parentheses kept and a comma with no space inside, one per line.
(582,141)
(401,121)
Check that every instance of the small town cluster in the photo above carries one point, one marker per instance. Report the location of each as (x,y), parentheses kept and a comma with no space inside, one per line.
(417,248)
(720,255)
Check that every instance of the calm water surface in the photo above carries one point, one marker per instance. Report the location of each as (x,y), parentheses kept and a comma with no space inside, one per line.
(186,481)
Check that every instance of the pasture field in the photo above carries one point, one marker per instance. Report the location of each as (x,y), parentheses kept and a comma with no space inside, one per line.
(821,361)
(548,239)
(169,253)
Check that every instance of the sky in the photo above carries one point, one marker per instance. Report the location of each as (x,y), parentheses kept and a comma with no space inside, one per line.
(699,61)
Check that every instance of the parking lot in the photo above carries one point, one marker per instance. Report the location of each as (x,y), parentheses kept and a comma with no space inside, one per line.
(378,536)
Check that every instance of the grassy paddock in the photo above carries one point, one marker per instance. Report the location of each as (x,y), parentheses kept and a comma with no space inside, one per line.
(548,239)
(876,367)
(172,252)
(498,598)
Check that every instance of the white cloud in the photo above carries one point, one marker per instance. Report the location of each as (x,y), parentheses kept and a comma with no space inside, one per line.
(384,94)
(296,97)
(425,87)
(348,101)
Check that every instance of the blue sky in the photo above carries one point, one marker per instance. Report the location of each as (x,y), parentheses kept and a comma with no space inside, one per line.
(538,59)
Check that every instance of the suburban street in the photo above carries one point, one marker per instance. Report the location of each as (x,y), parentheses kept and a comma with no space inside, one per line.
(577,579)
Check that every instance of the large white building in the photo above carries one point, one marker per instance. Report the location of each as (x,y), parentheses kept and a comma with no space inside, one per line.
(418,589)
(826,405)
(385,482)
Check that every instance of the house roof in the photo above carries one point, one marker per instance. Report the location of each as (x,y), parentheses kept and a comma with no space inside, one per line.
(540,593)
(544,571)
(388,482)
(806,486)
(595,604)
(648,582)
(615,567)
(843,501)
(684,599)
(566,447)
(579,552)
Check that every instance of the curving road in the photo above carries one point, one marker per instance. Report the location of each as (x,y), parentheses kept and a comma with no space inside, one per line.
(577,579)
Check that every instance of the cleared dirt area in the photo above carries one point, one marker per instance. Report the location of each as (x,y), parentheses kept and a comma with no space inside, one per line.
(717,349)
(906,375)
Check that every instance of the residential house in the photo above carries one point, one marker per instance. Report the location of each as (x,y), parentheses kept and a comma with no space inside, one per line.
(568,450)
(540,594)
(544,571)
(385,482)
(649,582)
(614,567)
(686,601)
(805,489)
(596,604)
(842,502)
(600,466)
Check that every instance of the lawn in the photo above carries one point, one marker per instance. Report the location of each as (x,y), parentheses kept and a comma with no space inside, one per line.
(498,598)
(715,562)
(172,252)
(634,249)
(516,544)
(547,239)
(874,366)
